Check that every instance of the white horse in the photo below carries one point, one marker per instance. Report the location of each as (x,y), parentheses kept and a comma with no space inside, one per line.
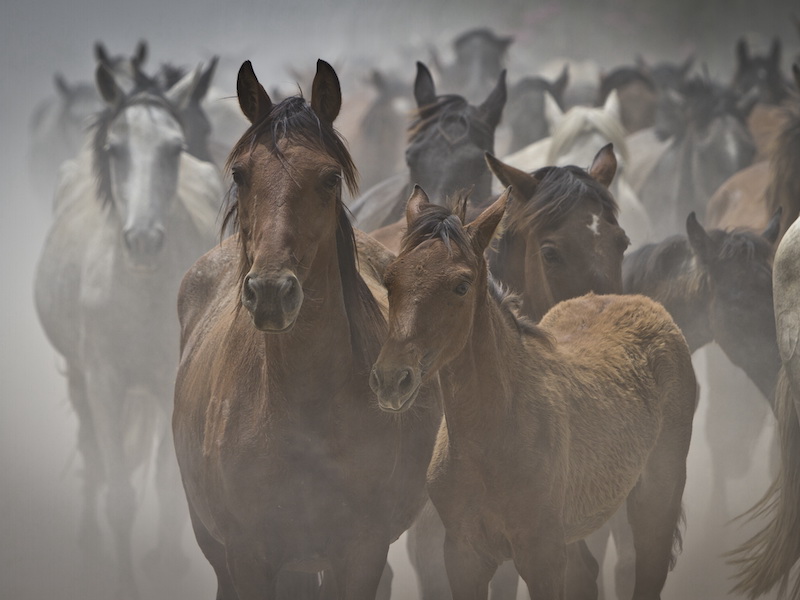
(576,135)
(132,213)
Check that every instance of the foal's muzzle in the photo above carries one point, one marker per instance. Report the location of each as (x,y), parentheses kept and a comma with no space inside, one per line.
(273,301)
(396,388)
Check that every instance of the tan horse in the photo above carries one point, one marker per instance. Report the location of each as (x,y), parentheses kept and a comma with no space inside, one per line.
(548,429)
(287,462)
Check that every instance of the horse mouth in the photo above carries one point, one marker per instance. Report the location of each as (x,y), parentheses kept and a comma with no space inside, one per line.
(271,328)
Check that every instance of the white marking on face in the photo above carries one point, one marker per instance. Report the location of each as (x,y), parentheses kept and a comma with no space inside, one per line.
(595,224)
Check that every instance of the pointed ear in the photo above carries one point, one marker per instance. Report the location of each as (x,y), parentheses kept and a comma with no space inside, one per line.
(560,85)
(604,165)
(773,227)
(107,86)
(742,53)
(326,94)
(612,106)
(492,107)
(552,112)
(417,201)
(775,53)
(483,228)
(204,82)
(100,53)
(424,89)
(140,54)
(253,98)
(524,185)
(62,86)
(181,92)
(701,243)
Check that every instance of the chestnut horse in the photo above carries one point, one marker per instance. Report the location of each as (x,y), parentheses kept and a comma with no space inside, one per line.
(287,462)
(547,429)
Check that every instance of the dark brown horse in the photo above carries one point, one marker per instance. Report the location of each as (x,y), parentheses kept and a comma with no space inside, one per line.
(547,428)
(287,462)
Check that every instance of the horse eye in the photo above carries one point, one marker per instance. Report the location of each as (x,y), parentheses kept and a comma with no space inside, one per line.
(332,181)
(550,254)
(238,176)
(462,288)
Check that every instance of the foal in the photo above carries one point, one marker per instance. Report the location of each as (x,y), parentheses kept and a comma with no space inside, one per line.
(547,429)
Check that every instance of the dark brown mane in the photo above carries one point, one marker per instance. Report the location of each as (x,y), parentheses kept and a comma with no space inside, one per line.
(559,191)
(784,184)
(100,126)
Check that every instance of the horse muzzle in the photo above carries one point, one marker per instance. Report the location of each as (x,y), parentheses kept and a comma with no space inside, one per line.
(396,388)
(273,301)
(143,244)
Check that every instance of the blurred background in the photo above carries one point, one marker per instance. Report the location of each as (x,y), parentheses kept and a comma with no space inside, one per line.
(39,467)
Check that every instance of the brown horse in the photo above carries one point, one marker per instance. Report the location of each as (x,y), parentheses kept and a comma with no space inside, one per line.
(287,462)
(548,429)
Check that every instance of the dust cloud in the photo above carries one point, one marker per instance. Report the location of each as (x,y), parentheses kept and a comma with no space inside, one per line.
(40,485)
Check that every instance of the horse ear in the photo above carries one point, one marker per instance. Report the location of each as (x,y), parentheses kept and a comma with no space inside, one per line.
(524,184)
(204,81)
(699,240)
(100,53)
(61,85)
(107,86)
(775,53)
(417,201)
(742,53)
(424,88)
(612,105)
(492,107)
(140,55)
(552,112)
(604,165)
(483,228)
(560,85)
(326,94)
(773,227)
(181,93)
(253,98)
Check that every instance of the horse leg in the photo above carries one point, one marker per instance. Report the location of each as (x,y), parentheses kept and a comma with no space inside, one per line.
(582,572)
(253,571)
(359,564)
(597,545)
(214,552)
(505,582)
(541,559)
(426,553)
(625,569)
(105,397)
(168,556)
(469,573)
(654,512)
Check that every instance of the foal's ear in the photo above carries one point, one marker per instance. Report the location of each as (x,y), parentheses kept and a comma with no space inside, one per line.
(483,228)
(107,85)
(492,107)
(424,89)
(773,227)
(524,184)
(326,94)
(604,165)
(417,201)
(253,98)
(701,243)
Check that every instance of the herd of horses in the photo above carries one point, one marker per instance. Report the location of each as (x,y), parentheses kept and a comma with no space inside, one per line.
(502,370)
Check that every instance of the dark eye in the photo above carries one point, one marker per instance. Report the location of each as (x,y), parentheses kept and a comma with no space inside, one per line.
(462,288)
(550,254)
(332,181)
(238,176)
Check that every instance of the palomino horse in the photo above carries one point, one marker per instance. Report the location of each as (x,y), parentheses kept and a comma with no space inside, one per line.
(447,140)
(287,463)
(131,215)
(540,443)
(771,557)
(575,137)
(560,240)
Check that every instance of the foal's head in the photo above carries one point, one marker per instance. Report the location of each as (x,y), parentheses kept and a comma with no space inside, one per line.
(436,286)
(288,170)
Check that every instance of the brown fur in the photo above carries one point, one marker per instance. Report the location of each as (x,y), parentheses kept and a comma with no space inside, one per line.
(287,462)
(547,428)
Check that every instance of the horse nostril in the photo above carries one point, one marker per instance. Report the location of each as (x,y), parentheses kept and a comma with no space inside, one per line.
(374,380)
(290,293)
(249,292)
(405,381)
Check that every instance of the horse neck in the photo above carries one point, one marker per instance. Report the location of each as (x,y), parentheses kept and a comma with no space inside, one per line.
(482,383)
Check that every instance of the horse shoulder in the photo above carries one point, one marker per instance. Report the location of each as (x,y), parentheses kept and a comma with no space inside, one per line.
(741,200)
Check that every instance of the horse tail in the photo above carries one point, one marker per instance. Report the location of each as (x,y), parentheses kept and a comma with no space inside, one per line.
(767,558)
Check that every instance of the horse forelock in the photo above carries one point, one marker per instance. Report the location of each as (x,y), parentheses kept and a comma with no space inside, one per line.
(292,120)
(102,123)
(430,120)
(436,222)
(560,191)
(581,120)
